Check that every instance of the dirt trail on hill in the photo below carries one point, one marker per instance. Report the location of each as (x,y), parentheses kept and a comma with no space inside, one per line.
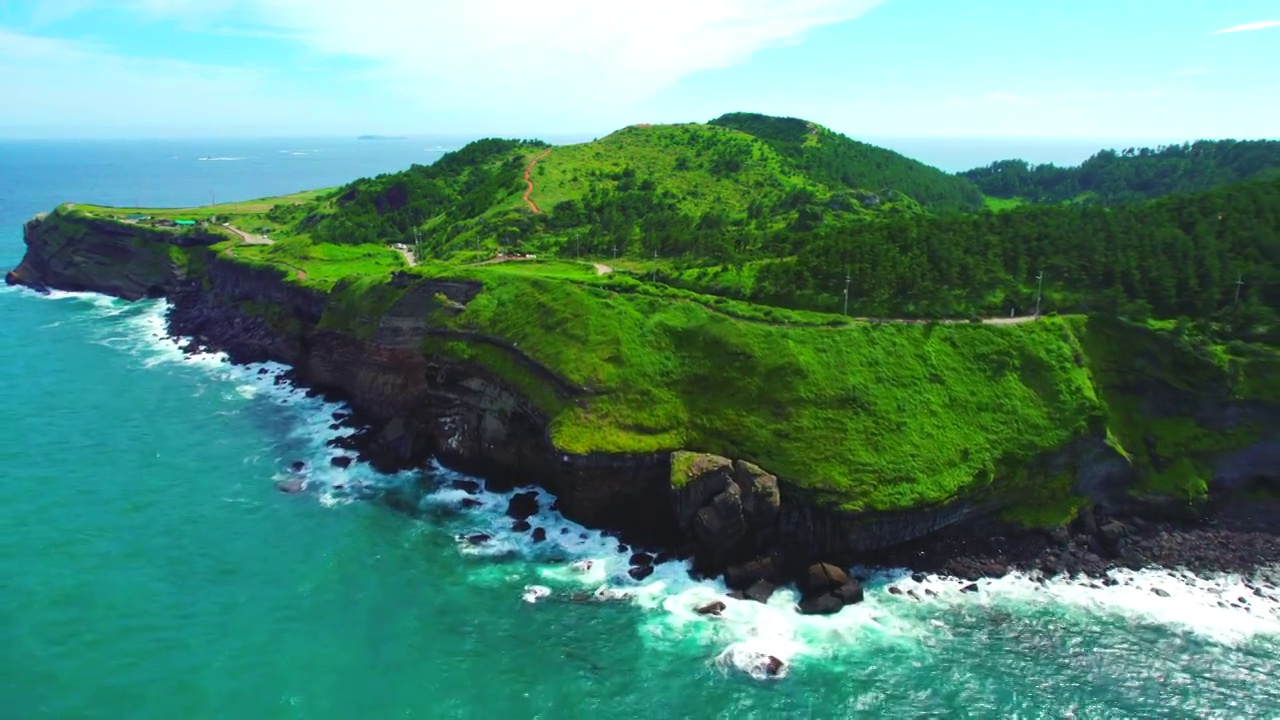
(602,269)
(529,181)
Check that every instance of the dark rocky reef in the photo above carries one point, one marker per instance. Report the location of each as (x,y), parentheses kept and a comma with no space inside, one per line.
(730,516)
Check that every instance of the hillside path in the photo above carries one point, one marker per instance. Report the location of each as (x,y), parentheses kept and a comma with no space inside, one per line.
(529,181)
(602,269)
(249,238)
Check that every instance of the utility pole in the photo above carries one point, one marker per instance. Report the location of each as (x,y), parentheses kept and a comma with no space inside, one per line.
(615,252)
(213,198)
(1239,283)
(654,277)
(1039,287)
(847,279)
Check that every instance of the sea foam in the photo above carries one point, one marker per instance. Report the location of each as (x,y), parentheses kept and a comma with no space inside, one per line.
(747,636)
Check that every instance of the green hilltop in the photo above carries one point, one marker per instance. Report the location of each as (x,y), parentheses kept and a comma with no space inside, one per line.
(733,340)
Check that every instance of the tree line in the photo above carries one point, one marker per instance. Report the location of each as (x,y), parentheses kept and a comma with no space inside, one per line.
(1113,177)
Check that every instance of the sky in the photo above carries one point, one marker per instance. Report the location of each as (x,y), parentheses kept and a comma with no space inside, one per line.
(1164,70)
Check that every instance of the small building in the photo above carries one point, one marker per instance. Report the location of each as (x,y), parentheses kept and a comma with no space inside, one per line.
(184,223)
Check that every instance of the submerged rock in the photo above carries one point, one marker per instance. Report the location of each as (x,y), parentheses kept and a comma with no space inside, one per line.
(520,526)
(712,608)
(291,486)
(640,573)
(539,535)
(341,461)
(773,666)
(470,487)
(523,506)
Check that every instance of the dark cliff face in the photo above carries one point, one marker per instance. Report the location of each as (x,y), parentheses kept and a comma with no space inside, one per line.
(420,405)
(85,254)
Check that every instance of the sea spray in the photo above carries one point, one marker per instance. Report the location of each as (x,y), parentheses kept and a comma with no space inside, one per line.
(900,616)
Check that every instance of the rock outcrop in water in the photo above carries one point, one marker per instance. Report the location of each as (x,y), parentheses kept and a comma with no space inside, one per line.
(728,514)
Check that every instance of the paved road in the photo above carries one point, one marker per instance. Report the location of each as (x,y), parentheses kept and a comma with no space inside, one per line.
(249,238)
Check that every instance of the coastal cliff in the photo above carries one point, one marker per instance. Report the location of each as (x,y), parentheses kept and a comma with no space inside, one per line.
(1162,433)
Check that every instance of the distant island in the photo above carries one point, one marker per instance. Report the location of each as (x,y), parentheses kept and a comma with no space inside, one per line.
(765,345)
(382,137)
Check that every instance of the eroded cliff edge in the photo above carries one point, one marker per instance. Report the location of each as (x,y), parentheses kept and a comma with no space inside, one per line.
(1159,425)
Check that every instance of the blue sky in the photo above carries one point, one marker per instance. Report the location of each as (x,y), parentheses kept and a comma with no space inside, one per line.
(1160,70)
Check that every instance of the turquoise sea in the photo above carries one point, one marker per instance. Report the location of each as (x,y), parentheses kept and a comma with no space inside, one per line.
(149,567)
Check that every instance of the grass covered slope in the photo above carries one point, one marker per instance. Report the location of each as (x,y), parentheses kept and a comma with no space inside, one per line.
(867,417)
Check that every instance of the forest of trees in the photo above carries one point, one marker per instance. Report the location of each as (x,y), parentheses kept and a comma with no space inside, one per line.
(1185,254)
(1177,256)
(841,162)
(1112,178)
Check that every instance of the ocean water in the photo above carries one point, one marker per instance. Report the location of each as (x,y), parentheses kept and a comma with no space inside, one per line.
(149,567)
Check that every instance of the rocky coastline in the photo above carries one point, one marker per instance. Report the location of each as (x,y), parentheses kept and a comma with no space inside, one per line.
(730,517)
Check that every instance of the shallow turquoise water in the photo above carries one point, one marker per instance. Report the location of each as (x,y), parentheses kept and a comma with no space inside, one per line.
(151,569)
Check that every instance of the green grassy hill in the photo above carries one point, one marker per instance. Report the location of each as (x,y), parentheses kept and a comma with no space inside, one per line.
(708,191)
(865,416)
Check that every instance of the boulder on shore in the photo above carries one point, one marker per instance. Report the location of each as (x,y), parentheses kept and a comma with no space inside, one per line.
(826,589)
(761,591)
(822,577)
(744,575)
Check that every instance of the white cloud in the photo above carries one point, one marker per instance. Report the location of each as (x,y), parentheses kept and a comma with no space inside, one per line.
(1247,27)
(540,65)
(60,87)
